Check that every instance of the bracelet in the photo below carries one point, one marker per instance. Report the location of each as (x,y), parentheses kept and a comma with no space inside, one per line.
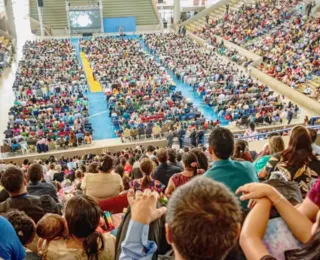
(279,200)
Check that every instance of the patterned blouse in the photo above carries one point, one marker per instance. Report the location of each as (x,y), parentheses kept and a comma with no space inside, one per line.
(303,175)
(155,185)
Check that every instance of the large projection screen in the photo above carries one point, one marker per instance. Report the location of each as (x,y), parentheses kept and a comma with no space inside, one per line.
(85,21)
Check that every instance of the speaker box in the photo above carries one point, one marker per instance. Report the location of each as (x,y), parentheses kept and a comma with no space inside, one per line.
(87,34)
(40,3)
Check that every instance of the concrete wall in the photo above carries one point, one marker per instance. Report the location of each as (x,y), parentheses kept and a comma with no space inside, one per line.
(205,12)
(273,83)
(281,88)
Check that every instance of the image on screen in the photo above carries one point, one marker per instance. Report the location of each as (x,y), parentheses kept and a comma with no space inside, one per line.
(85,19)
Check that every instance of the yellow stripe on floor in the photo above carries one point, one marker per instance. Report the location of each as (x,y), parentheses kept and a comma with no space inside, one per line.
(94,85)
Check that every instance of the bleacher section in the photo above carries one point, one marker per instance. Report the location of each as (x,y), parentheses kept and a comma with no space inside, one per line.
(216,13)
(54,12)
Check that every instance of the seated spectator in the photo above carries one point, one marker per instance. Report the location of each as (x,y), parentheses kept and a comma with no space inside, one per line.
(314,135)
(190,164)
(164,171)
(172,158)
(59,174)
(34,206)
(297,162)
(254,227)
(25,229)
(275,145)
(147,168)
(10,245)
(241,151)
(82,215)
(103,185)
(192,207)
(232,173)
(36,186)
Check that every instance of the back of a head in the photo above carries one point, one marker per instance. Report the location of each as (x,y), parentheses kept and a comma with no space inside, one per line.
(221,141)
(207,212)
(106,164)
(172,155)
(314,134)
(13,179)
(239,149)
(147,166)
(276,144)
(162,155)
(202,158)
(93,167)
(299,151)
(83,216)
(23,225)
(35,172)
(50,227)
(150,149)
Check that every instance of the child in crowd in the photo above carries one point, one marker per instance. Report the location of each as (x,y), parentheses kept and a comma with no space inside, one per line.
(50,227)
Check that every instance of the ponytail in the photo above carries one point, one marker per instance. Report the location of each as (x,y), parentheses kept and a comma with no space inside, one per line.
(194,165)
(93,244)
(146,181)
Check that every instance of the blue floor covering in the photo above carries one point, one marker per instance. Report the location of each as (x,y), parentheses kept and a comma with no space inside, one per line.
(99,113)
(99,117)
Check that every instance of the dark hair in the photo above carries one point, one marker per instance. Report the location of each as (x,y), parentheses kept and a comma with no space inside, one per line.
(25,161)
(210,213)
(106,164)
(12,179)
(23,225)
(93,167)
(252,126)
(202,159)
(172,155)
(162,155)
(299,151)
(35,172)
(151,148)
(119,169)
(147,167)
(221,141)
(240,148)
(83,215)
(313,134)
(190,162)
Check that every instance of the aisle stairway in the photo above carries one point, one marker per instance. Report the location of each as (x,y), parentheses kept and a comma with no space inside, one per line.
(216,14)
(54,11)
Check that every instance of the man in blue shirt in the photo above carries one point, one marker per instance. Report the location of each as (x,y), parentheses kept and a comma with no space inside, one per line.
(202,209)
(10,245)
(231,173)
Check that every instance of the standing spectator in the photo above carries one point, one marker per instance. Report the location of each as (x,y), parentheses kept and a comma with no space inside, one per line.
(164,171)
(207,19)
(38,188)
(289,116)
(172,158)
(232,173)
(104,184)
(170,138)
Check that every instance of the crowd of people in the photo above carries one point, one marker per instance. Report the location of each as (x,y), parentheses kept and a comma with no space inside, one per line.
(50,109)
(228,89)
(140,94)
(249,22)
(110,206)
(276,30)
